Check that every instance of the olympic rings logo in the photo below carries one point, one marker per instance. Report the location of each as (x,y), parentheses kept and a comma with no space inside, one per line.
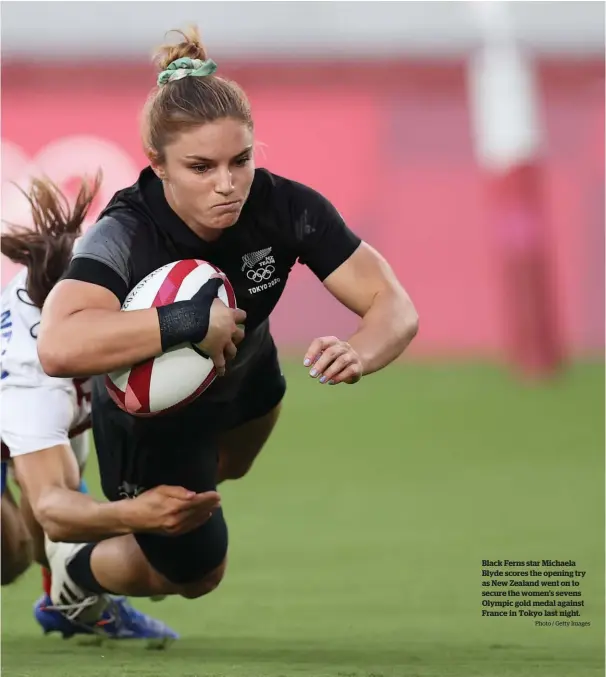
(260,274)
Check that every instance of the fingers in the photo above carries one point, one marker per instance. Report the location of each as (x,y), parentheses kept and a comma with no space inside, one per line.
(188,522)
(230,351)
(328,357)
(316,348)
(219,362)
(338,366)
(238,335)
(333,361)
(206,500)
(179,493)
(197,511)
(352,373)
(239,316)
(182,522)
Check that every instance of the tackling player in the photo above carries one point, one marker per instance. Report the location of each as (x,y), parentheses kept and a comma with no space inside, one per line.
(45,421)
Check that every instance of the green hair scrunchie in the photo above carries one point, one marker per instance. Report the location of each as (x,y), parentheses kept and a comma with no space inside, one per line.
(186,67)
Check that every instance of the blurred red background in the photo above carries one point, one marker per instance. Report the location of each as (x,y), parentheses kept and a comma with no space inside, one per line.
(391,145)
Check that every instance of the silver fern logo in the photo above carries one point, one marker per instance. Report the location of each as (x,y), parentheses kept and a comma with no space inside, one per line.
(251,260)
(128,490)
(260,268)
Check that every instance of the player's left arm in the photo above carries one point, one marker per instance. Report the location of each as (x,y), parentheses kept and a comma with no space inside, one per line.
(366,285)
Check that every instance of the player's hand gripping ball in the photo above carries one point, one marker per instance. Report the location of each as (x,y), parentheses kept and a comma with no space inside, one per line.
(174,378)
(333,361)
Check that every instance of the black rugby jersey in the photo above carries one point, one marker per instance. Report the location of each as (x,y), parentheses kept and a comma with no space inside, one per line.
(282,222)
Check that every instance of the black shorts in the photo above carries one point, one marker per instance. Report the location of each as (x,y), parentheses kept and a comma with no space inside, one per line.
(181,449)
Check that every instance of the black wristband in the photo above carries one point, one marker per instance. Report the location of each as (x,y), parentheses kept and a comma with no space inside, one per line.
(187,321)
(182,322)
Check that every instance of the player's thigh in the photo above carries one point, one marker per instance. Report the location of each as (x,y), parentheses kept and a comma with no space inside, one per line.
(261,393)
(253,415)
(171,450)
(136,454)
(240,446)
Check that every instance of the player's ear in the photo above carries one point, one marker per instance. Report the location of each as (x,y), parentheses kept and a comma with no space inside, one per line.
(155,163)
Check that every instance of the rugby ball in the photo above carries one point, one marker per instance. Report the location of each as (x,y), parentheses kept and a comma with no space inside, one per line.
(175,378)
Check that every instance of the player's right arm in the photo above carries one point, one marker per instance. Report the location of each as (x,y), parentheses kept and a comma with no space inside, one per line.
(49,477)
(35,420)
(83,332)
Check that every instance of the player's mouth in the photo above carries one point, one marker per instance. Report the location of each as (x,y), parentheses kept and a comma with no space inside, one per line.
(232,206)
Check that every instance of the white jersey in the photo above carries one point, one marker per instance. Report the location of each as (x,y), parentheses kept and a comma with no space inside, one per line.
(37,411)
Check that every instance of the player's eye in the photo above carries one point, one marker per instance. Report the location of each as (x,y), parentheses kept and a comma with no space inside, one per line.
(200,169)
(243,161)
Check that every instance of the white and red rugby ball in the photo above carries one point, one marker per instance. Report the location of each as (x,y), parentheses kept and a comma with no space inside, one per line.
(174,378)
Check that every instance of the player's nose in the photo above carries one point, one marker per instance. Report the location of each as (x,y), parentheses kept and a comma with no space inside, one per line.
(225,184)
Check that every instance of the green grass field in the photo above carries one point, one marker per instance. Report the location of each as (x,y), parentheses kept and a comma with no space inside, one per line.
(356,542)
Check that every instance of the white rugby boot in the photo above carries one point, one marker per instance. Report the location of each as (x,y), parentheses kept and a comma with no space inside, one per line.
(70,599)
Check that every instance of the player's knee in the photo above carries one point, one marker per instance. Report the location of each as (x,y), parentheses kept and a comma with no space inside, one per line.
(15,561)
(16,543)
(204,585)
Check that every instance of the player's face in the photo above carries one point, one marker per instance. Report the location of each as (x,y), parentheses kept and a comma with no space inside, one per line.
(207,173)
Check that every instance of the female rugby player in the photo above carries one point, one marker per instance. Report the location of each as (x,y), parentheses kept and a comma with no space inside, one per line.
(200,197)
(45,421)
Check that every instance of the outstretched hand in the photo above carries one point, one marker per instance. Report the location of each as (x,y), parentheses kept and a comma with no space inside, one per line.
(170,510)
